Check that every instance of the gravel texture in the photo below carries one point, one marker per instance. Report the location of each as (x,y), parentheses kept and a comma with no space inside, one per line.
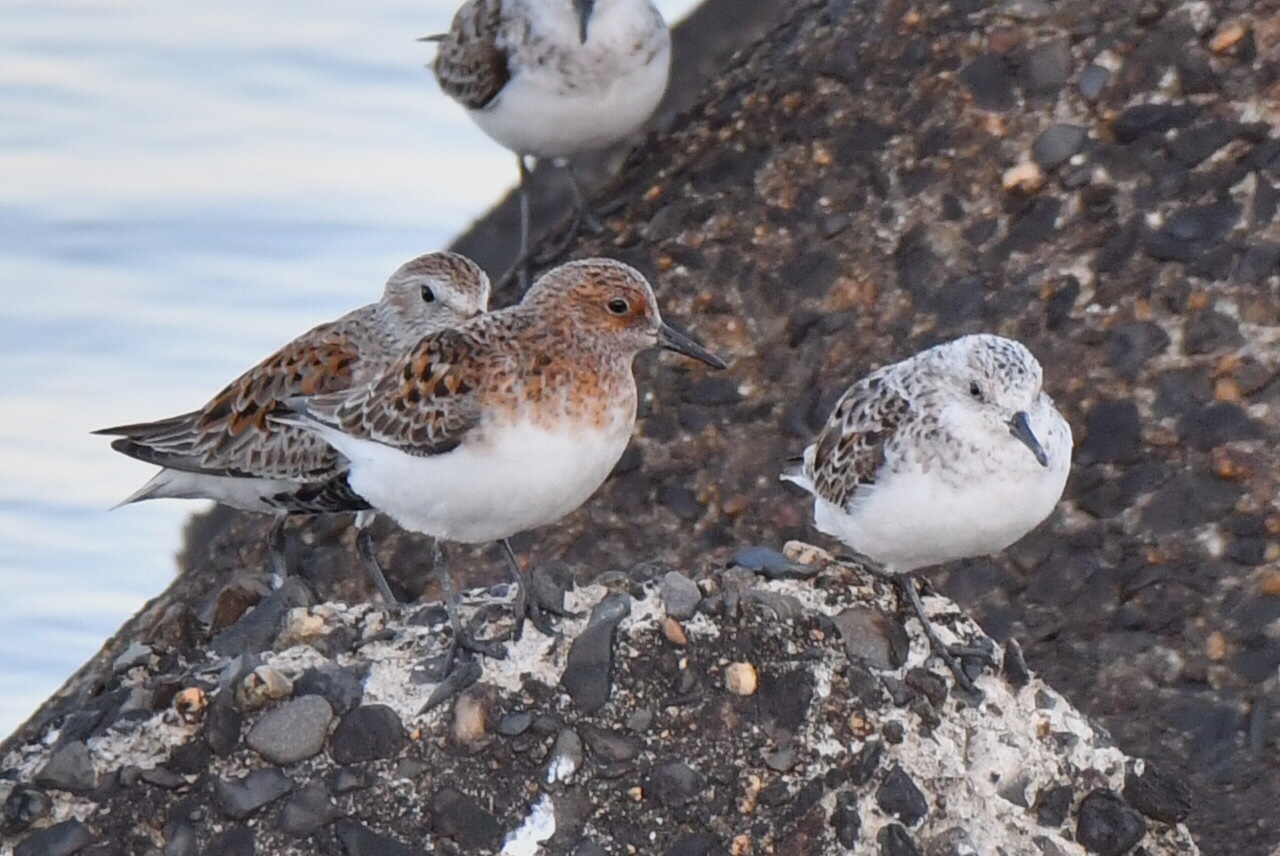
(820,750)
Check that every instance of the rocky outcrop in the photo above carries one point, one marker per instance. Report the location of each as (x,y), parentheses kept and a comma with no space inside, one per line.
(787,711)
(1098,179)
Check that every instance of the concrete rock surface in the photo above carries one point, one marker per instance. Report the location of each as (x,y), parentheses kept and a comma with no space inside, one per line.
(825,753)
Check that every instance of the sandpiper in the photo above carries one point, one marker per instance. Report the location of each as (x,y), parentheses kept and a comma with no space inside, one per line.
(555,78)
(508,422)
(953,453)
(232,452)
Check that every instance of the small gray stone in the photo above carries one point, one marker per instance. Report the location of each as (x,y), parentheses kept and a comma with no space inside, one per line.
(673,784)
(137,654)
(341,687)
(180,839)
(308,811)
(1092,80)
(23,807)
(221,730)
(61,839)
(358,840)
(515,724)
(639,720)
(236,841)
(588,673)
(872,638)
(894,840)
(292,732)
(566,756)
(607,745)
(1157,795)
(69,769)
(1106,826)
(900,797)
(680,596)
(781,760)
(460,816)
(367,733)
(1057,143)
(239,798)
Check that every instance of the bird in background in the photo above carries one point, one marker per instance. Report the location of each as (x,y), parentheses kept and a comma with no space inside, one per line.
(232,452)
(506,423)
(954,453)
(554,79)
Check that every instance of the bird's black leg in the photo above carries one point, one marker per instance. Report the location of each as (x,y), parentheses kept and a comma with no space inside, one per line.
(584,219)
(461,638)
(364,546)
(524,606)
(905,585)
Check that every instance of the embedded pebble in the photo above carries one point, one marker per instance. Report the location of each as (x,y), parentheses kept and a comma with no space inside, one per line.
(69,769)
(680,596)
(368,733)
(607,745)
(900,797)
(292,732)
(359,840)
(673,784)
(894,840)
(872,637)
(61,839)
(740,679)
(340,686)
(23,807)
(588,673)
(1157,795)
(1026,177)
(1057,143)
(239,798)
(456,815)
(566,757)
(308,810)
(1106,826)
(673,632)
(261,687)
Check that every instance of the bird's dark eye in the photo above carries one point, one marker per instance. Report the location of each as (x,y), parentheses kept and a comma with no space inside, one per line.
(975,390)
(428,296)
(618,306)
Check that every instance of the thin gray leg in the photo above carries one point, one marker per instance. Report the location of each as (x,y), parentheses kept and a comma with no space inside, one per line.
(519,269)
(524,606)
(364,546)
(275,551)
(586,218)
(461,638)
(906,587)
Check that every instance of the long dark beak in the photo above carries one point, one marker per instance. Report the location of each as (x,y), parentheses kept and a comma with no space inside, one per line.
(585,8)
(673,340)
(1019,427)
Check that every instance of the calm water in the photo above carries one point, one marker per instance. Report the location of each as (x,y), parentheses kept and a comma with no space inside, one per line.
(182,188)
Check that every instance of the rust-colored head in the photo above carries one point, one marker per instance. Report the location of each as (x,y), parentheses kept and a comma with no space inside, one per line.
(612,301)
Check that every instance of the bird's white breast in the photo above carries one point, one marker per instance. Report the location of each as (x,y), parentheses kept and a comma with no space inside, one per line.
(912,518)
(582,97)
(521,476)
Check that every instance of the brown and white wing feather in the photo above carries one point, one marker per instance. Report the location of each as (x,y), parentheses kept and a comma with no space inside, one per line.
(425,404)
(471,65)
(852,446)
(234,434)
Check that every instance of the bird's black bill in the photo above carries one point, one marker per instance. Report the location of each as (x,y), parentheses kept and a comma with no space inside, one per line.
(1020,427)
(584,8)
(673,340)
